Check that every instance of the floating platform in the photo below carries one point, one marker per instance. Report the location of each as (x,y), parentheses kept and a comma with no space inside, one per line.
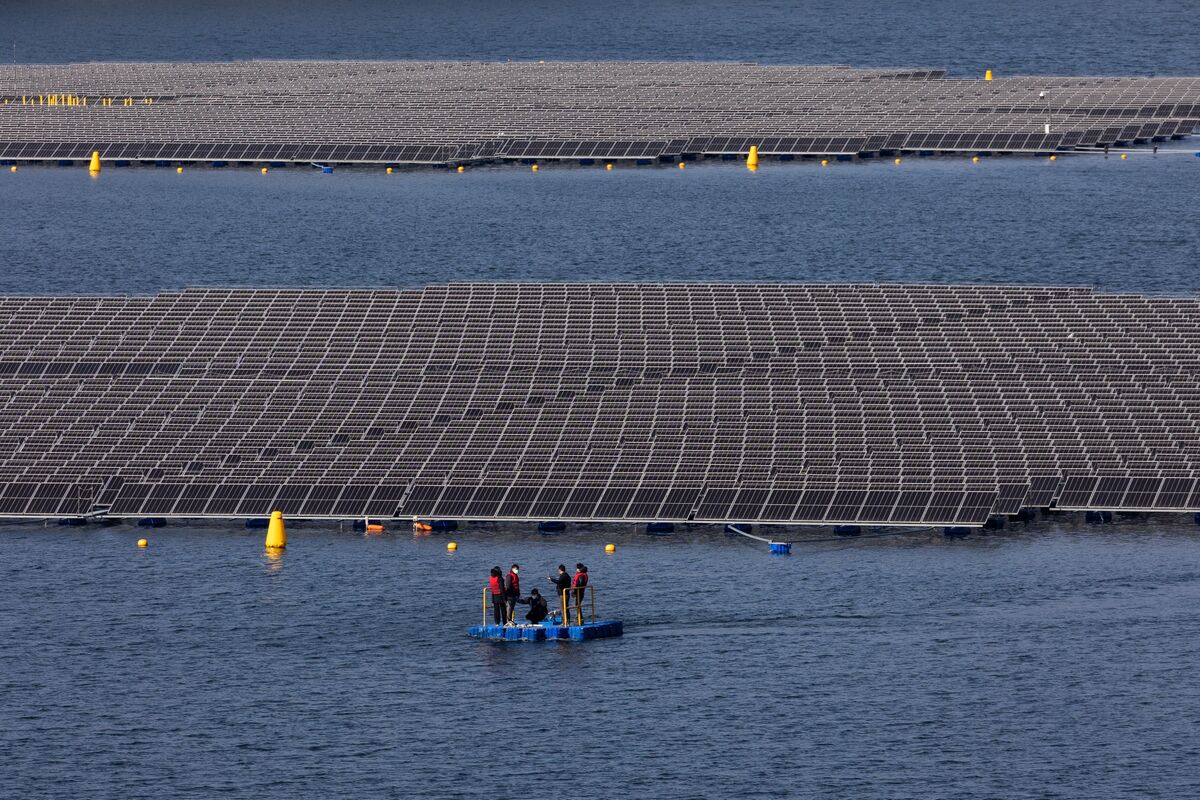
(600,629)
(455,113)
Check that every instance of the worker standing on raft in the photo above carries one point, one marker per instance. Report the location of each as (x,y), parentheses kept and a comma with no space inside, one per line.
(579,582)
(561,581)
(499,603)
(512,590)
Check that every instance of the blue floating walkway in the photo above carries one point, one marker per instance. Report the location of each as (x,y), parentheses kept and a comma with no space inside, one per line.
(600,629)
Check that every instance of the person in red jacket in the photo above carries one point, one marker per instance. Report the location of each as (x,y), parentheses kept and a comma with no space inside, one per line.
(579,582)
(512,591)
(499,605)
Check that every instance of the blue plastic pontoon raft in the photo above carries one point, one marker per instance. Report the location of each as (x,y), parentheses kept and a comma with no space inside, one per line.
(600,629)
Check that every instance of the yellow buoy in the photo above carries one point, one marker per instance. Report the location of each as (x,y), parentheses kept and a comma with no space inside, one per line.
(974,159)
(752,158)
(276,534)
(681,165)
(143,543)
(610,548)
(452,546)
(462,168)
(13,168)
(1124,156)
(608,167)
(179,170)
(534,168)
(389,170)
(263,170)
(897,162)
(987,75)
(94,164)
(824,162)
(1054,158)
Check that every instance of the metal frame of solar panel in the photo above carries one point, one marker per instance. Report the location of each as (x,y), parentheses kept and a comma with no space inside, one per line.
(784,404)
(454,112)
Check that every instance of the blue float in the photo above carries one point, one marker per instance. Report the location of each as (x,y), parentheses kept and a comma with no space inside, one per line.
(257,523)
(554,526)
(956,532)
(780,548)
(846,530)
(660,528)
(152,522)
(600,629)
(443,524)
(1097,517)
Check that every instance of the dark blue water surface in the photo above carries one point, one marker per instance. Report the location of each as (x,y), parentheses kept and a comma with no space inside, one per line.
(1054,660)
(966,36)
(1117,225)
(1049,662)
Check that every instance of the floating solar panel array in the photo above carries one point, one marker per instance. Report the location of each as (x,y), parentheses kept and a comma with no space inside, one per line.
(448,112)
(887,404)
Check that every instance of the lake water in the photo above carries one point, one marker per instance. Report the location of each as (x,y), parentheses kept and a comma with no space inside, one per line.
(1081,221)
(1050,660)
(1057,37)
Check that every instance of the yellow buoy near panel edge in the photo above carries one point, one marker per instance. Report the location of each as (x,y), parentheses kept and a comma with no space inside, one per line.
(276,533)
(94,164)
(610,548)
(143,543)
(452,546)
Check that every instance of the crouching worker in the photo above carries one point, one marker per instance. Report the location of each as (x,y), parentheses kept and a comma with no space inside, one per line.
(537,607)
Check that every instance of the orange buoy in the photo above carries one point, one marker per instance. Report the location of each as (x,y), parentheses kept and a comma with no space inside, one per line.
(422,526)
(374,528)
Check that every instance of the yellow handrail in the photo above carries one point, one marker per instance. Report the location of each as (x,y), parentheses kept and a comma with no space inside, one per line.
(591,590)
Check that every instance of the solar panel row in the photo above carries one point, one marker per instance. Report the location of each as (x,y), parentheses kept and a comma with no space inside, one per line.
(708,402)
(445,112)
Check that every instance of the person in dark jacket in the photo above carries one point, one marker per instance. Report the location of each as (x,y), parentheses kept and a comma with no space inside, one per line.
(537,607)
(512,590)
(499,605)
(561,581)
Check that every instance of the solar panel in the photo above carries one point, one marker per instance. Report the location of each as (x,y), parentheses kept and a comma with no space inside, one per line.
(438,112)
(760,403)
